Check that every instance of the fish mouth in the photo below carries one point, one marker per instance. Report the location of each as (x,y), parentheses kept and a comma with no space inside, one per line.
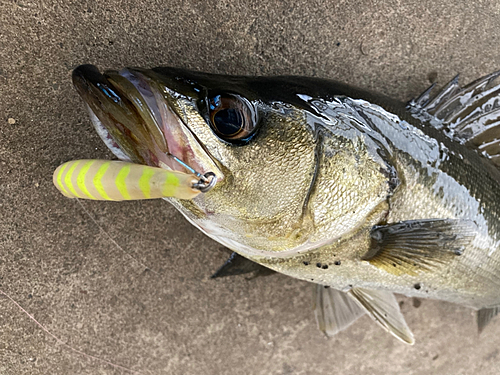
(138,118)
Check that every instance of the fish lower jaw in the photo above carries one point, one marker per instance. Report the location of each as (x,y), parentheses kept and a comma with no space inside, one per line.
(225,238)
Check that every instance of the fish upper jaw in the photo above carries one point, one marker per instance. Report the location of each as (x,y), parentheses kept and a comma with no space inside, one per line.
(133,115)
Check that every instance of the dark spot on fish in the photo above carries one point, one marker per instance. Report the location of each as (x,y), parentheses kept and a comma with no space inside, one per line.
(350,285)
(394,264)
(306,263)
(337,263)
(435,357)
(312,279)
(338,44)
(110,42)
(326,286)
(459,252)
(416,303)
(325,266)
(417,286)
(318,265)
(393,183)
(392,178)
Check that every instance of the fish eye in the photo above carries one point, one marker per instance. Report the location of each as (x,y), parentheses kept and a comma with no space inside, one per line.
(232,117)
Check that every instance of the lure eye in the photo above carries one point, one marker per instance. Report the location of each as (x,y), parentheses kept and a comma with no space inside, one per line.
(232,117)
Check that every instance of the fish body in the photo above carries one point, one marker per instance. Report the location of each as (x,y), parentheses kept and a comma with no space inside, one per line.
(324,182)
(430,177)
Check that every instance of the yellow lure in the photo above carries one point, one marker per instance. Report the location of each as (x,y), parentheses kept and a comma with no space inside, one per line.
(120,181)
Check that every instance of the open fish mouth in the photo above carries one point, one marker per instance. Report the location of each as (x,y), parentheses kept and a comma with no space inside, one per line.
(136,116)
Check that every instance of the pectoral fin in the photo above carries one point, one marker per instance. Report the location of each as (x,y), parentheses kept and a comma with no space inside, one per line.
(485,315)
(383,307)
(238,265)
(334,310)
(409,247)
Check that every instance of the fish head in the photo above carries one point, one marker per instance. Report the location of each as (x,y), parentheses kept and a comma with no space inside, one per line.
(287,180)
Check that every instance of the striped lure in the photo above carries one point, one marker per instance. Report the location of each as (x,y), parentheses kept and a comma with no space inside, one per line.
(119,181)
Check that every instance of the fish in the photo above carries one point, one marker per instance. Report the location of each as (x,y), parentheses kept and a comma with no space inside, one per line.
(359,194)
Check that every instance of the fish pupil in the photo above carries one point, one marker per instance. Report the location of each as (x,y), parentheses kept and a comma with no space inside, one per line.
(228,121)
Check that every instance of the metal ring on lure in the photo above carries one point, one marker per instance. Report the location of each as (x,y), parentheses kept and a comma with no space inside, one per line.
(118,181)
(206,182)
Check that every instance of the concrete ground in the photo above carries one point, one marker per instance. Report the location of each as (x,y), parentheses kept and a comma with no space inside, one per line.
(81,268)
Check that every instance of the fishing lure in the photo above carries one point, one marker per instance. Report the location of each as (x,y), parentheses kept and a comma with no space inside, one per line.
(119,181)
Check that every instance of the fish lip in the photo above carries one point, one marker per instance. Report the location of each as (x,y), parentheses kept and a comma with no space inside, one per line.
(109,102)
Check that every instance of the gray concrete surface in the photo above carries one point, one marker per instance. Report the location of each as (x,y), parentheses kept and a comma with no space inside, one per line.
(81,269)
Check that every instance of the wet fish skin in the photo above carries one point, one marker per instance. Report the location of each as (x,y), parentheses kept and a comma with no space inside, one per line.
(337,186)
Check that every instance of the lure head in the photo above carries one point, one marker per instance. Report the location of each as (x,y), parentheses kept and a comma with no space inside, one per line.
(286,180)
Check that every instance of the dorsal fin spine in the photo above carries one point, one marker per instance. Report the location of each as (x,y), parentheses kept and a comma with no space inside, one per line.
(469,115)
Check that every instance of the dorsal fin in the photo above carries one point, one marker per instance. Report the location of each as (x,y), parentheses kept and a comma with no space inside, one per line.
(469,115)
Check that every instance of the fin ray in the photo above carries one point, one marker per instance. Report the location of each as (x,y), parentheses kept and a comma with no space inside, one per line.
(469,115)
(447,92)
(238,265)
(485,315)
(412,246)
(334,310)
(383,307)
